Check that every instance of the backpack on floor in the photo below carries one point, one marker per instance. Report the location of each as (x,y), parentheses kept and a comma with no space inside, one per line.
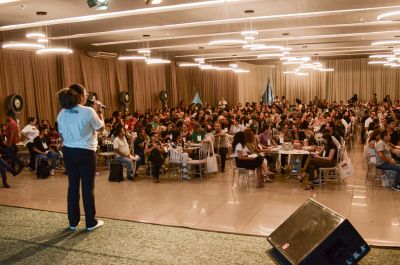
(42,169)
(116,173)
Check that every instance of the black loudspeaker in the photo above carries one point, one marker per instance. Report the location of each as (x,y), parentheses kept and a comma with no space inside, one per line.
(314,234)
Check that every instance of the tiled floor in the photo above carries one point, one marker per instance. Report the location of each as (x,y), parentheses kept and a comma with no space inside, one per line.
(213,205)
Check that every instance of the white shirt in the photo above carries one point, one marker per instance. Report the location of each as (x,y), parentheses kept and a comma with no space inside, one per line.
(31,132)
(239,147)
(122,146)
(367,122)
(236,128)
(78,126)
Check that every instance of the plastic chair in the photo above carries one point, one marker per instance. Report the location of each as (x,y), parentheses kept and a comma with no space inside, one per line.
(244,172)
(201,163)
(332,173)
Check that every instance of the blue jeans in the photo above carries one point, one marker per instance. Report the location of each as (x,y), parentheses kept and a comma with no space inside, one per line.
(394,167)
(128,162)
(51,155)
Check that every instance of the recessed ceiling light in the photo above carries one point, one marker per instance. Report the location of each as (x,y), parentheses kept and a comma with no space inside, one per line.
(43,40)
(54,51)
(327,70)
(23,46)
(228,42)
(386,42)
(126,58)
(233,65)
(36,35)
(41,13)
(154,2)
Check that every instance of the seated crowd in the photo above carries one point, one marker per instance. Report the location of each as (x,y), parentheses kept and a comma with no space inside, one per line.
(250,134)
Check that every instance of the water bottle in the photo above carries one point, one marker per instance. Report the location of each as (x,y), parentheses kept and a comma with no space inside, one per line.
(296,166)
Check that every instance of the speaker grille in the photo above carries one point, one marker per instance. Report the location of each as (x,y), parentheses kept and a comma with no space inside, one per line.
(304,229)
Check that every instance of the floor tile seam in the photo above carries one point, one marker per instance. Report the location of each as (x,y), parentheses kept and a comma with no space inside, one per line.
(209,214)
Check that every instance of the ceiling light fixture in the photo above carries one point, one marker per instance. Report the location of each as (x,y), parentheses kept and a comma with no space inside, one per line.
(144,51)
(233,65)
(291,63)
(141,11)
(188,64)
(386,42)
(157,61)
(126,58)
(153,2)
(54,51)
(224,68)
(267,47)
(270,55)
(43,40)
(241,71)
(8,1)
(327,70)
(390,16)
(227,42)
(381,56)
(249,33)
(22,46)
(251,46)
(377,62)
(35,35)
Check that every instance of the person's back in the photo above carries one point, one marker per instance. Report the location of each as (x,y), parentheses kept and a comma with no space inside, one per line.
(76,127)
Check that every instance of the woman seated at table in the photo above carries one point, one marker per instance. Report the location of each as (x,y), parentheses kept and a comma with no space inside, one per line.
(328,159)
(284,136)
(252,145)
(266,141)
(242,159)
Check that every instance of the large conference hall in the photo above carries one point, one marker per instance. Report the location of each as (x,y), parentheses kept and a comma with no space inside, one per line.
(200,132)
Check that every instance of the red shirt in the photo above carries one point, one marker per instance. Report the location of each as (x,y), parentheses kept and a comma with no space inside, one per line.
(12,132)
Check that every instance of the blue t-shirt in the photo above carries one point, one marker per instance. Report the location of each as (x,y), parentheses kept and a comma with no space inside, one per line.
(78,126)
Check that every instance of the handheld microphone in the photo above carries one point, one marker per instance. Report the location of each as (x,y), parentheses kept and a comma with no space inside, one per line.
(102,106)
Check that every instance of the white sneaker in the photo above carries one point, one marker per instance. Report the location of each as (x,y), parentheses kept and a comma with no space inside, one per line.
(100,223)
(185,176)
(74,228)
(52,172)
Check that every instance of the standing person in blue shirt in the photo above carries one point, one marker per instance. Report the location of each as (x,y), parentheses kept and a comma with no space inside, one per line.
(78,126)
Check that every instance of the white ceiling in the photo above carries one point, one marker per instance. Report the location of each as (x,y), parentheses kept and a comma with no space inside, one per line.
(336,28)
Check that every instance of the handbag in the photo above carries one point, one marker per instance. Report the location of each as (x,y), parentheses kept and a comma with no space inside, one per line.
(345,166)
(212,166)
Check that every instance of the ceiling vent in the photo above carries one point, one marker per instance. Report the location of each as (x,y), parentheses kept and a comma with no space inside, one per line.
(103,54)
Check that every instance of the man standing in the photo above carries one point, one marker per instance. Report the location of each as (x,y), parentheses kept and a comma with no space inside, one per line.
(220,144)
(12,136)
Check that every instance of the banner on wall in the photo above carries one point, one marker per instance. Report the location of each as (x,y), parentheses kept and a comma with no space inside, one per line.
(197,99)
(268,96)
